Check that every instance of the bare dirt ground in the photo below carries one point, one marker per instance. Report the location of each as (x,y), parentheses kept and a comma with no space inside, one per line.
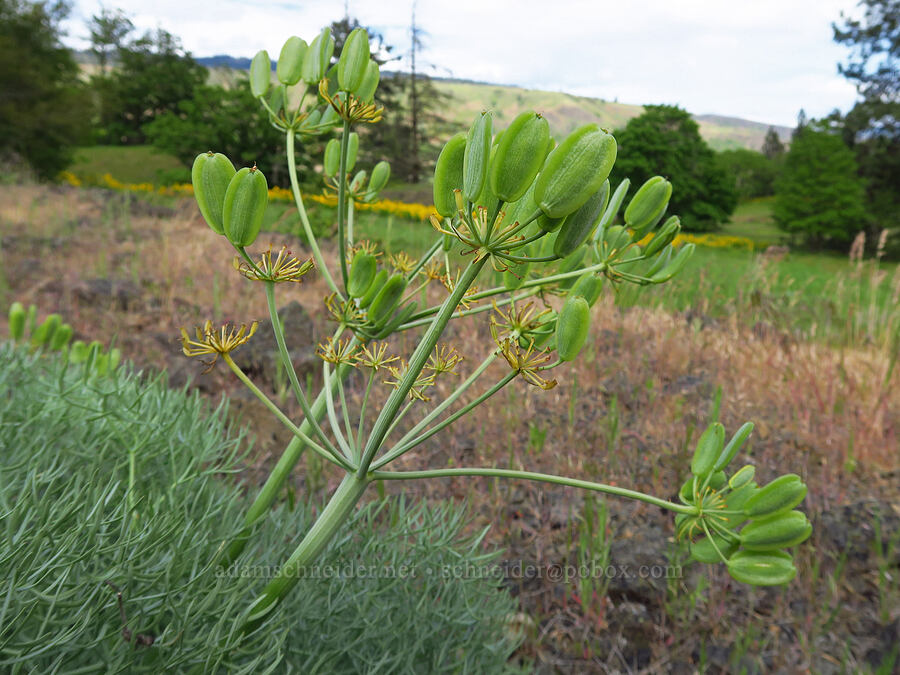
(128,271)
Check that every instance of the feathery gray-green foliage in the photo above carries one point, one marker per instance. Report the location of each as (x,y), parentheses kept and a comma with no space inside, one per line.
(69,444)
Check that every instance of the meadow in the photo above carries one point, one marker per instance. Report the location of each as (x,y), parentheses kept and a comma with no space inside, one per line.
(803,345)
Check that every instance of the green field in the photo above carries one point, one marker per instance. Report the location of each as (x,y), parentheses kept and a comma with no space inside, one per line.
(817,295)
(129,164)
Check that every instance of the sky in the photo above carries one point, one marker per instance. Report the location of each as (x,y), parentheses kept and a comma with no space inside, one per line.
(761,60)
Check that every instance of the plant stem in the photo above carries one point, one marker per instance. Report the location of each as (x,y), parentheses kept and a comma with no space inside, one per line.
(447,402)
(304,219)
(530,475)
(342,202)
(332,416)
(331,457)
(279,475)
(398,450)
(424,259)
(416,363)
(333,516)
(289,367)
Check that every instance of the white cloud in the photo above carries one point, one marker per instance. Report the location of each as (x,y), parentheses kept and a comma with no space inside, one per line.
(760,60)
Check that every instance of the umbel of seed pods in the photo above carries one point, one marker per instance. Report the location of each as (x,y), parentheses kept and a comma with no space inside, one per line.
(739,523)
(523,201)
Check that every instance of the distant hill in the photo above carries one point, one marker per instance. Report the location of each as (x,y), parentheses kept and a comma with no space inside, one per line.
(565,112)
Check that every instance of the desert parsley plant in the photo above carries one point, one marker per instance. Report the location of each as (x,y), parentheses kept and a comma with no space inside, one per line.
(541,213)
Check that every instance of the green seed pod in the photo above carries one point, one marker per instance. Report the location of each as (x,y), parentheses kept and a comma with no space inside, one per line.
(381,174)
(78,352)
(743,476)
(477,155)
(366,90)
(588,287)
(61,337)
(210,176)
(648,205)
(779,496)
(675,266)
(290,62)
(376,285)
(578,225)
(572,327)
(487,199)
(615,241)
(784,531)
(318,56)
(31,319)
(717,480)
(703,550)
(352,150)
(708,449)
(276,99)
(362,274)
(44,333)
(245,206)
(570,263)
(575,171)
(735,500)
(519,156)
(387,299)
(354,60)
(686,492)
(664,237)
(260,73)
(612,208)
(16,321)
(661,261)
(772,568)
(330,117)
(332,161)
(358,181)
(734,445)
(114,357)
(311,120)
(448,175)
(399,317)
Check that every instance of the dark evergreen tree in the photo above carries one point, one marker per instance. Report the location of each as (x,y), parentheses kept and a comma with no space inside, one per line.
(872,127)
(108,31)
(772,147)
(43,108)
(153,77)
(666,141)
(819,196)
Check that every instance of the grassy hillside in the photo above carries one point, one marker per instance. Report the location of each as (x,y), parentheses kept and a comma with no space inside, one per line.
(565,112)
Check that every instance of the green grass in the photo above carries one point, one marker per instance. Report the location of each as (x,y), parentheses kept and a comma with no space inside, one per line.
(129,164)
(753,219)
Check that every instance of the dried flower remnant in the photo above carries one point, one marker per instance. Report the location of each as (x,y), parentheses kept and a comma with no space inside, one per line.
(284,268)
(216,342)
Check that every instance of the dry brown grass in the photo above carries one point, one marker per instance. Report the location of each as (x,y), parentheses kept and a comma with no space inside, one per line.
(625,413)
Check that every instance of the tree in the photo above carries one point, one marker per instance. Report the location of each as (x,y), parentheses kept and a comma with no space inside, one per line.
(753,172)
(772,147)
(819,197)
(154,75)
(108,31)
(411,102)
(664,140)
(802,123)
(872,127)
(43,109)
(226,121)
